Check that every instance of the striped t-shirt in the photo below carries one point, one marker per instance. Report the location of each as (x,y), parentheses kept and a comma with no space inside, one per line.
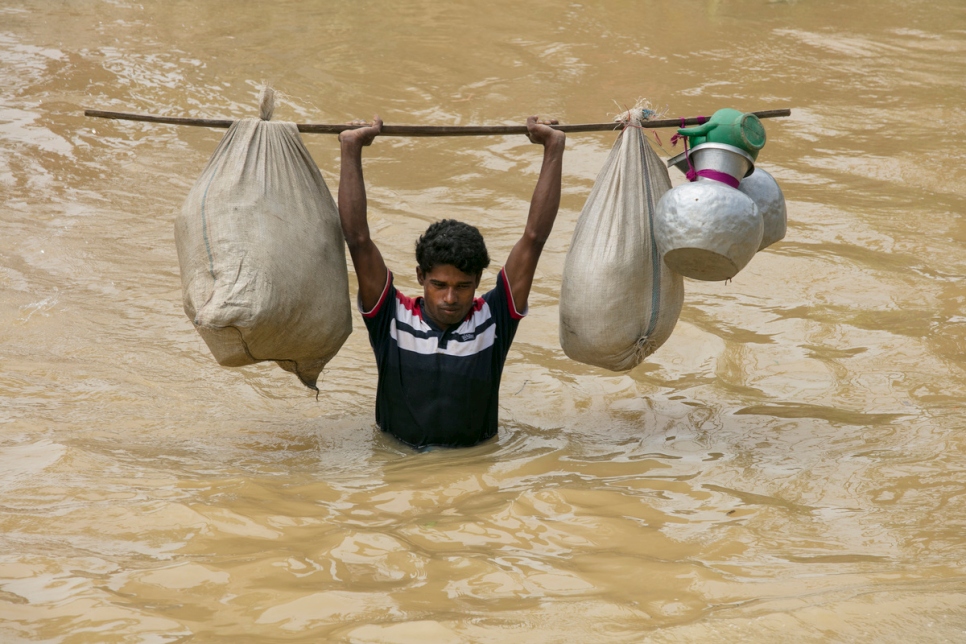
(440,387)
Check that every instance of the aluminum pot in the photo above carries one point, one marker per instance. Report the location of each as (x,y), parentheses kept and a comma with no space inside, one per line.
(706,230)
(767,195)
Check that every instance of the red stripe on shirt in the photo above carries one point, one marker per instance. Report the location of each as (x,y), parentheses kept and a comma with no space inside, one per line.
(477,306)
(410,304)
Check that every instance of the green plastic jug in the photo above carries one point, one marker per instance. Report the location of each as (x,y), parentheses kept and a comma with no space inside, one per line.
(730,127)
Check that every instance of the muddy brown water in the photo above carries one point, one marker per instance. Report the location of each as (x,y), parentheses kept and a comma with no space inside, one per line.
(790,465)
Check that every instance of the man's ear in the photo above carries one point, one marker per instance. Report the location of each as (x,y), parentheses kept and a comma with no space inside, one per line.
(421,277)
(479,276)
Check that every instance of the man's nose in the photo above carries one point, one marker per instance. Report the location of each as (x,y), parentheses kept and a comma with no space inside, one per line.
(449,296)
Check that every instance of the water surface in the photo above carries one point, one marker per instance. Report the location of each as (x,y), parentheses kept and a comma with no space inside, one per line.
(789,465)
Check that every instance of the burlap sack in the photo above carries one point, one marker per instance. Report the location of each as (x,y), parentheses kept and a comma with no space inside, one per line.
(618,301)
(262,255)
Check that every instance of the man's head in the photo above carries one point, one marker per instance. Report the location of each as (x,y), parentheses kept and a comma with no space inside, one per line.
(451,257)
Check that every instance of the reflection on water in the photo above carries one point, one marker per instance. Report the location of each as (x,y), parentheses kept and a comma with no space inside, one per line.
(787,465)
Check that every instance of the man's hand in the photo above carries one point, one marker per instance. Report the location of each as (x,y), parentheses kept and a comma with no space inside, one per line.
(539,131)
(364,135)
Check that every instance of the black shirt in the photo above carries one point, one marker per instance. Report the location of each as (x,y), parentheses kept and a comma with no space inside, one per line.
(440,387)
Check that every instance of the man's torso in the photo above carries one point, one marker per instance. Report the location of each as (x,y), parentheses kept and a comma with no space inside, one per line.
(440,387)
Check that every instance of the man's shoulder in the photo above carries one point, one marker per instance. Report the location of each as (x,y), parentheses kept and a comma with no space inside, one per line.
(408,306)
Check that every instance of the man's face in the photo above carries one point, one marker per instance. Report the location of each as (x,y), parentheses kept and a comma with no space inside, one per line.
(447,293)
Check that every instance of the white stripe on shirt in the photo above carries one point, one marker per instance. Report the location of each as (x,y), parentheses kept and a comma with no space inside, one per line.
(454,347)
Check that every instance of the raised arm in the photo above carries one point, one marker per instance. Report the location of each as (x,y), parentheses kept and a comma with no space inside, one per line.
(522,262)
(370,267)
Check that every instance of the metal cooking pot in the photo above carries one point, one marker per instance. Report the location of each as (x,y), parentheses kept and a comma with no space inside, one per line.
(767,195)
(706,230)
(715,156)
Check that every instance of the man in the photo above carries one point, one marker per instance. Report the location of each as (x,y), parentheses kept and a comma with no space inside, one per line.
(440,356)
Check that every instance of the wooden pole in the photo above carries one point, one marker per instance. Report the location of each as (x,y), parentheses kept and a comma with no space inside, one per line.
(418,130)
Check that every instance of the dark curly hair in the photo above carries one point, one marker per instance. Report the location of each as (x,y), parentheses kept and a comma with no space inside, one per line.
(452,242)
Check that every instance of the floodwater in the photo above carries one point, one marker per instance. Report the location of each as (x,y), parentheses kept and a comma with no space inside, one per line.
(790,465)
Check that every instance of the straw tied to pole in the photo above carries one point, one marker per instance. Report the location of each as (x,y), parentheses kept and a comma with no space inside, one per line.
(635,233)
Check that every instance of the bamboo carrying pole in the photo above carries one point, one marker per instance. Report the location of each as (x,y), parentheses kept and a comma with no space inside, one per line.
(419,130)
